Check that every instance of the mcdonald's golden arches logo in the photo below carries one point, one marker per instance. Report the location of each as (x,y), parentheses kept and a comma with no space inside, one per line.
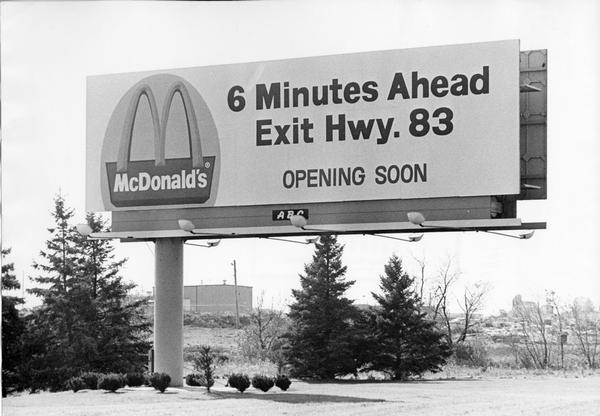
(163,180)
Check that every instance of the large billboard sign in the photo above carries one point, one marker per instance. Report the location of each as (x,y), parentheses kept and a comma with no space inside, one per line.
(431,122)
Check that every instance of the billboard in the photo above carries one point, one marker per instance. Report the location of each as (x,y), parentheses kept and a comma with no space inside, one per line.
(435,122)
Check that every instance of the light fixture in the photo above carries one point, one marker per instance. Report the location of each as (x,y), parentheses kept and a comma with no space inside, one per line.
(524,236)
(417,218)
(209,244)
(85,230)
(188,226)
(310,240)
(298,221)
(411,238)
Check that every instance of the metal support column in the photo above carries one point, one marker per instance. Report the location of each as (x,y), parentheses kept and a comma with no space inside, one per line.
(168,309)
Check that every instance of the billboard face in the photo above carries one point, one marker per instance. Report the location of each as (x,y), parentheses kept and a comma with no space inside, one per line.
(403,124)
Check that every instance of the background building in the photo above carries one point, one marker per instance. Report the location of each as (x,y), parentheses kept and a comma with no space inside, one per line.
(219,299)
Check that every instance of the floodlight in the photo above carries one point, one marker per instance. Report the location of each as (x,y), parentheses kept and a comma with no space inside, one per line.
(308,240)
(298,221)
(415,238)
(209,244)
(410,239)
(186,225)
(416,218)
(84,229)
(527,236)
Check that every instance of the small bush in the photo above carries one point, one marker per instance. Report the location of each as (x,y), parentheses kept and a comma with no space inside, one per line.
(207,320)
(90,379)
(134,379)
(283,382)
(160,381)
(261,382)
(76,384)
(111,382)
(239,381)
(474,355)
(195,379)
(205,361)
(219,353)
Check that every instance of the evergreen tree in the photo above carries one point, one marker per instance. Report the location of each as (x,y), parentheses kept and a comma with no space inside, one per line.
(51,327)
(113,321)
(12,328)
(406,342)
(87,321)
(321,334)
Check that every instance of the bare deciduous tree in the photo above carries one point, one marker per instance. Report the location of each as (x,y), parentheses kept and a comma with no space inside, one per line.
(552,300)
(535,333)
(447,276)
(471,303)
(587,330)
(262,338)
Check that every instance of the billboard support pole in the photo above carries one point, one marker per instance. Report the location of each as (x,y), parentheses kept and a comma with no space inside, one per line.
(168,309)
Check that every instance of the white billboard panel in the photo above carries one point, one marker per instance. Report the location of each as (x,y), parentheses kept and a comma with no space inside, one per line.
(403,124)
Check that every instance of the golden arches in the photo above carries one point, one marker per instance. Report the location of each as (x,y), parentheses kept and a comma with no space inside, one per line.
(159,125)
(190,115)
(125,144)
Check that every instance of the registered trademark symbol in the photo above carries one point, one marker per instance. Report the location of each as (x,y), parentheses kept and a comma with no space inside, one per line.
(207,165)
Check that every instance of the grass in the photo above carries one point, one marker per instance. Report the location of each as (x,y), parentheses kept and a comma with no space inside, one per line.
(500,357)
(225,340)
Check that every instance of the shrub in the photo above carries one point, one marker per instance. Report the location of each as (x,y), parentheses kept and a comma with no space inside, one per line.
(195,379)
(471,354)
(134,379)
(76,384)
(90,379)
(283,382)
(262,382)
(160,381)
(111,382)
(205,361)
(207,320)
(239,381)
(220,357)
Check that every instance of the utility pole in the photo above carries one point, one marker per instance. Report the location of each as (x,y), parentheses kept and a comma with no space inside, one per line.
(237,310)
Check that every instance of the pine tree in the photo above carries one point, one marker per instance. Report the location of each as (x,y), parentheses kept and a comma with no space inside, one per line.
(113,321)
(51,327)
(406,342)
(12,328)
(87,321)
(320,339)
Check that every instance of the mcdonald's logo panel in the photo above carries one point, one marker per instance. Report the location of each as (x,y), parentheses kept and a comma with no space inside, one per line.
(421,123)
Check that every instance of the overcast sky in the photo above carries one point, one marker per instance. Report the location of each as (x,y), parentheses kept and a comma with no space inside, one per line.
(48,49)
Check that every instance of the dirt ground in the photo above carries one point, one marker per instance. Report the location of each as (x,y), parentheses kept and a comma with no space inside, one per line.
(487,397)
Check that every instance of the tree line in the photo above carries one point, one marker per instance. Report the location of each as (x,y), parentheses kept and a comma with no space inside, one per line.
(325,335)
(89,321)
(410,330)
